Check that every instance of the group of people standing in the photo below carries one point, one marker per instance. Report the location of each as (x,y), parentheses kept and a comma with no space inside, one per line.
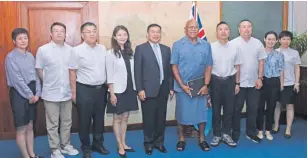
(246,71)
(94,78)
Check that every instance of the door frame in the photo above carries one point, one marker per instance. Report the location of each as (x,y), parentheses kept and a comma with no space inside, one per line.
(89,10)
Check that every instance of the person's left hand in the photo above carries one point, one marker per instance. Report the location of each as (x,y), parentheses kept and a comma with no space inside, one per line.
(36,99)
(209,102)
(237,89)
(171,94)
(203,91)
(259,83)
(296,88)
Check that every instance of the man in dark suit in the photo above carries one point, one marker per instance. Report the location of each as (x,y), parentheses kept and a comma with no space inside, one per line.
(154,82)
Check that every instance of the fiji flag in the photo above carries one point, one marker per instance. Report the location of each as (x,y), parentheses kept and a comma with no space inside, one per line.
(195,15)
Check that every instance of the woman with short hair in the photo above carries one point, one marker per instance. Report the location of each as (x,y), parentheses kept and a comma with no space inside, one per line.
(25,90)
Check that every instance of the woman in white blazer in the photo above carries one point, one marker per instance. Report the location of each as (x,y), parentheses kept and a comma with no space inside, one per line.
(121,84)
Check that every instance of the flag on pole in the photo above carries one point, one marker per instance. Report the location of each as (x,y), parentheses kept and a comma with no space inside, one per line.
(195,15)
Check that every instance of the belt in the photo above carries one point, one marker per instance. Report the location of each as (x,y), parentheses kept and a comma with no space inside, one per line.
(92,86)
(223,78)
(271,77)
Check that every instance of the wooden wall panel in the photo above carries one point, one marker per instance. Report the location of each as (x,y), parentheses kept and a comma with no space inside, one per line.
(25,14)
(9,12)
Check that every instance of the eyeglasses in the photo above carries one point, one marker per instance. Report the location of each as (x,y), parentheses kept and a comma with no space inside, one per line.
(57,31)
(89,32)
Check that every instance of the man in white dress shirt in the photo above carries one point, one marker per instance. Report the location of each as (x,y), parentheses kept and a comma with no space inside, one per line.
(251,76)
(87,68)
(52,67)
(224,84)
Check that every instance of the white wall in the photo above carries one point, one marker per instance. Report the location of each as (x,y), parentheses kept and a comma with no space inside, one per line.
(300,16)
(299,22)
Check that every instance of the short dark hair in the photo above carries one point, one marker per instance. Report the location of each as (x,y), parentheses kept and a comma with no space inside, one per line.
(18,31)
(87,24)
(286,34)
(244,21)
(220,23)
(57,24)
(271,33)
(153,25)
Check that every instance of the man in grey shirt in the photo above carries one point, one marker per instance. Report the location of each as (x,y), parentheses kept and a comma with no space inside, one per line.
(251,76)
(87,68)
(52,67)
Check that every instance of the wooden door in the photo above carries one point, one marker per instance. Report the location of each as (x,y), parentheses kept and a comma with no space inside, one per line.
(8,21)
(37,17)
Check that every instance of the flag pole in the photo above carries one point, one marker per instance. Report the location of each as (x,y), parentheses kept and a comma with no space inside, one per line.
(195,13)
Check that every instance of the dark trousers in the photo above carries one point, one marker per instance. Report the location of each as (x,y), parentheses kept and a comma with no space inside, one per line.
(154,111)
(269,95)
(91,104)
(222,93)
(252,97)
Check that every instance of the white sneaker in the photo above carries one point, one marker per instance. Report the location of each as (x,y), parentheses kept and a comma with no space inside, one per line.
(57,154)
(269,135)
(260,135)
(69,150)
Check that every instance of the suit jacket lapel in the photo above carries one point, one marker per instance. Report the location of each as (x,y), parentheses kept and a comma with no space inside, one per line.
(152,53)
(163,56)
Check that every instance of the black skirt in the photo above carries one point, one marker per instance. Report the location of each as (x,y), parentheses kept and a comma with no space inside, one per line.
(288,95)
(22,110)
(126,101)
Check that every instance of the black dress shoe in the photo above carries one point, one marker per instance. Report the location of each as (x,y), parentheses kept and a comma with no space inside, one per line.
(86,154)
(148,151)
(130,150)
(122,155)
(100,150)
(274,131)
(288,136)
(161,149)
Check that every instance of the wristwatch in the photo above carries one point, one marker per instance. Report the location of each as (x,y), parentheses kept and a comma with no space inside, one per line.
(207,85)
(237,83)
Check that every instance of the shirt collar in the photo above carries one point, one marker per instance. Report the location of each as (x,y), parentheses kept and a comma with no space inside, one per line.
(284,49)
(57,45)
(272,51)
(223,45)
(185,39)
(88,46)
(153,44)
(244,39)
(18,53)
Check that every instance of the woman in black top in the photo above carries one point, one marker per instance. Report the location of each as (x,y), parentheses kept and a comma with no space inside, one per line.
(120,79)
